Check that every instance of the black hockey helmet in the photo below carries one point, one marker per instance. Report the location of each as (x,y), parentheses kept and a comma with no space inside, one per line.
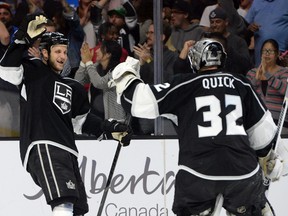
(207,52)
(52,38)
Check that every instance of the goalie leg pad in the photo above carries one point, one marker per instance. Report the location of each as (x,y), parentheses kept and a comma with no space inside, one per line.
(65,209)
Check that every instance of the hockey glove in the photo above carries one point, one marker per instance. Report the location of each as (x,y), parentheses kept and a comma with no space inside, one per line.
(272,165)
(31,28)
(121,132)
(124,74)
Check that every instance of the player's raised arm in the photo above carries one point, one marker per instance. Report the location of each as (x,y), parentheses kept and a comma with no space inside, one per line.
(29,31)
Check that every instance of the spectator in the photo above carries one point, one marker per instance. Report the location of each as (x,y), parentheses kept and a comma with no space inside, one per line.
(236,24)
(269,80)
(182,64)
(27,7)
(204,21)
(268,20)
(238,57)
(244,7)
(107,31)
(182,29)
(144,10)
(85,11)
(99,75)
(166,10)
(4,38)
(9,98)
(145,55)
(7,29)
(124,18)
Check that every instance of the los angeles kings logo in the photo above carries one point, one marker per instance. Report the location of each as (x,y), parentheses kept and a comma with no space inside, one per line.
(62,97)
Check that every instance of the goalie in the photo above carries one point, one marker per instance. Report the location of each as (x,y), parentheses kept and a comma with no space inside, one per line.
(52,110)
(222,127)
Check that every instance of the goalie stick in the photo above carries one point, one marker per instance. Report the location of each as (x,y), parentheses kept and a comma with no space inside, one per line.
(281,121)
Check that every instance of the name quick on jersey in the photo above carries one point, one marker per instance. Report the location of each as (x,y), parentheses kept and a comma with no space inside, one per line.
(215,82)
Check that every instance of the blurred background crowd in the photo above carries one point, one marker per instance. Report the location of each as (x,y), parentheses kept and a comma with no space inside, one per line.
(102,33)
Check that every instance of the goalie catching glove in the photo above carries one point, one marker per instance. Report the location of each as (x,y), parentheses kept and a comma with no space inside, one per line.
(121,132)
(272,165)
(31,28)
(124,74)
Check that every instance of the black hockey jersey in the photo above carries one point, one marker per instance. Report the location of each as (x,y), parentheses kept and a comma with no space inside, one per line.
(52,108)
(221,121)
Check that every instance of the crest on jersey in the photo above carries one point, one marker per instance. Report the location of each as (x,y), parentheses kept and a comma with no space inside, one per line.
(62,97)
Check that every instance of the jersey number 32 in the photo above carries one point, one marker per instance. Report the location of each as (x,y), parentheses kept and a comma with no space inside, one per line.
(212,115)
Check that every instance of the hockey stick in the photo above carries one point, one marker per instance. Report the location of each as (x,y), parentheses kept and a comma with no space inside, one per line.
(113,166)
(109,179)
(281,121)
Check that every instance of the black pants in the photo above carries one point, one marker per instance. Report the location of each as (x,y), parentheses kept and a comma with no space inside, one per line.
(194,195)
(56,171)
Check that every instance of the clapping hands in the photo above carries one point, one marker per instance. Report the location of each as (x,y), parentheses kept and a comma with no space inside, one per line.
(143,52)
(86,53)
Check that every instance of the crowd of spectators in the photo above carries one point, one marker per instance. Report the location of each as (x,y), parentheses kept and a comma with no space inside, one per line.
(96,27)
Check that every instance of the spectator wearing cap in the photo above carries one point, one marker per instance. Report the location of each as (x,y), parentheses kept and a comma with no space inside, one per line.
(182,29)
(238,57)
(237,24)
(124,17)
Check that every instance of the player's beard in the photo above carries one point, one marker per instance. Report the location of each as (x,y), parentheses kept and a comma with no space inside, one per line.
(55,66)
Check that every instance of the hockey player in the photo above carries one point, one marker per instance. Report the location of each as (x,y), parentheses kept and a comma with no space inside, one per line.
(52,110)
(222,127)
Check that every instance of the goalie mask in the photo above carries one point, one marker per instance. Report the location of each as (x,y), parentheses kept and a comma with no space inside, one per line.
(206,52)
(52,38)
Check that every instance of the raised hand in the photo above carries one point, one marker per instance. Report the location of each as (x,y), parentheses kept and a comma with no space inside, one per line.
(36,27)
(31,28)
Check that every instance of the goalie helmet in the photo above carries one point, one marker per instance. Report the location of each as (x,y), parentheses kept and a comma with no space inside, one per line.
(206,52)
(52,38)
